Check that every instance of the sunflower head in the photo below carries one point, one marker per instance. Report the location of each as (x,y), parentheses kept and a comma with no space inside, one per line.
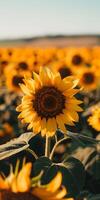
(62,68)
(65,71)
(77,59)
(49,102)
(14,79)
(23,65)
(17,182)
(94,120)
(53,190)
(7,129)
(78,56)
(20,185)
(89,79)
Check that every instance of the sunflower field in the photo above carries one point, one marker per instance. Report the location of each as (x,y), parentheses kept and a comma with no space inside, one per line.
(50,123)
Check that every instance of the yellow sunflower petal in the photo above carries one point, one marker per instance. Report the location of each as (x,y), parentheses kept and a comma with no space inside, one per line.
(43,127)
(30,84)
(37,80)
(25,89)
(23,179)
(3,184)
(60,123)
(73,115)
(70,92)
(60,194)
(55,184)
(45,76)
(51,125)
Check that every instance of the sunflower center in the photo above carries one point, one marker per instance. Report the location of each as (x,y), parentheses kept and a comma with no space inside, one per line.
(4,63)
(64,72)
(49,102)
(16,80)
(77,60)
(23,65)
(35,62)
(88,64)
(7,195)
(88,78)
(10,53)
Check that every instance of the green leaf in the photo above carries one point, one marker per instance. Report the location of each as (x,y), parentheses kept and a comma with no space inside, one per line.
(73,175)
(89,157)
(95,197)
(95,169)
(15,146)
(77,170)
(84,139)
(86,195)
(43,163)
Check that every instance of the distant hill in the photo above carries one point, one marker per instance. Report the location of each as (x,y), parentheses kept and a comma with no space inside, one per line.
(56,41)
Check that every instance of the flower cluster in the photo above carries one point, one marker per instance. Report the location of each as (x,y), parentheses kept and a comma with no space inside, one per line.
(31,188)
(83,63)
(41,92)
(49,102)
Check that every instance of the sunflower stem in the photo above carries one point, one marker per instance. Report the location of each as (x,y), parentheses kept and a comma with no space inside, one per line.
(33,153)
(47,146)
(57,143)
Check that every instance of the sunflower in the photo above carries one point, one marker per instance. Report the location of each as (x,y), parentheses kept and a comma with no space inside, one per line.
(61,53)
(96,64)
(52,191)
(49,102)
(78,57)
(1,53)
(62,68)
(94,120)
(8,53)
(3,65)
(21,65)
(19,185)
(96,52)
(24,64)
(5,58)
(13,79)
(7,129)
(47,56)
(89,79)
(17,182)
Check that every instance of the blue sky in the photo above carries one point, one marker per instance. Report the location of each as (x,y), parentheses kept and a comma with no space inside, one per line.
(25,18)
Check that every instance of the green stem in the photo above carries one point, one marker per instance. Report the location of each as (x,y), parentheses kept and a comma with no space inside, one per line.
(47,146)
(53,150)
(33,153)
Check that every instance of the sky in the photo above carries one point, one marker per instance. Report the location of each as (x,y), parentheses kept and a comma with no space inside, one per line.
(28,18)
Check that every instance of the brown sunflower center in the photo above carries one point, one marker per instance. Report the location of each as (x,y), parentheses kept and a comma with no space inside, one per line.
(88,78)
(10,53)
(77,60)
(49,102)
(4,63)
(7,195)
(35,63)
(64,72)
(88,64)
(16,80)
(23,65)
